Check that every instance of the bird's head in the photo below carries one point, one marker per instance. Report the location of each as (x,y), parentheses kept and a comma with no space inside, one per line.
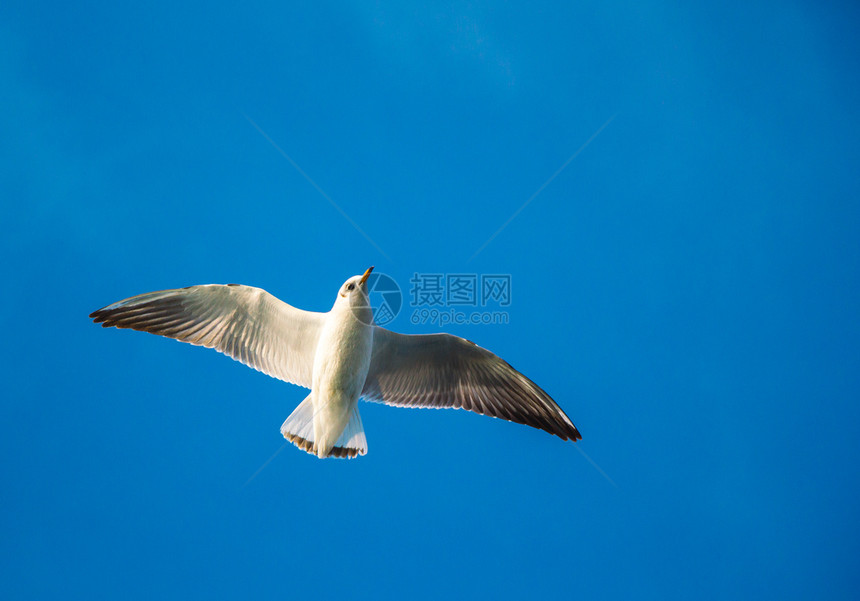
(353,295)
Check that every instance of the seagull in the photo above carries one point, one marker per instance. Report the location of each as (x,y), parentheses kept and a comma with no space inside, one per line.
(340,356)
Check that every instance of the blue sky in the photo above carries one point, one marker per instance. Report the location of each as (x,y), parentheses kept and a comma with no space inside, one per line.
(686,289)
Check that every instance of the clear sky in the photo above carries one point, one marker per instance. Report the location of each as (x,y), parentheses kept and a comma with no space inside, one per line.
(686,288)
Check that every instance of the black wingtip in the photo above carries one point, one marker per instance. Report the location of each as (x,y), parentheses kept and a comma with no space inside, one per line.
(98,315)
(573,434)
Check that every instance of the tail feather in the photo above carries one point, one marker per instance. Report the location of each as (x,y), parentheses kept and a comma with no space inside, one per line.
(299,430)
(353,438)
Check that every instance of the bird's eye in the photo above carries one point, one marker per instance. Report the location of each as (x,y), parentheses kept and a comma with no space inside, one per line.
(351,287)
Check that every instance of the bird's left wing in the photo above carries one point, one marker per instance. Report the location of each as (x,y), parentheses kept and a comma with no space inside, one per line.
(248,324)
(441,370)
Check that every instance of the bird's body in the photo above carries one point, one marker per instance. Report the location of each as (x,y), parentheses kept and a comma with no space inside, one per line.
(341,356)
(341,361)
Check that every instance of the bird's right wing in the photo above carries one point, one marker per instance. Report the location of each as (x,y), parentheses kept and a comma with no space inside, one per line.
(248,324)
(441,370)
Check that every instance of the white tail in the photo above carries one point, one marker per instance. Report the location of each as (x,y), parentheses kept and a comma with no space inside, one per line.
(299,430)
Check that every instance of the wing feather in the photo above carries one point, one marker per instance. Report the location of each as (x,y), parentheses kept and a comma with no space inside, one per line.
(245,323)
(441,370)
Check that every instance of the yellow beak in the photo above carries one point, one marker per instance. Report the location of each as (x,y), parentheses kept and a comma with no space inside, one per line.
(365,276)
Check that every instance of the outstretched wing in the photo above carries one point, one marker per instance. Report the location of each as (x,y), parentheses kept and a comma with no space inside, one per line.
(441,370)
(248,324)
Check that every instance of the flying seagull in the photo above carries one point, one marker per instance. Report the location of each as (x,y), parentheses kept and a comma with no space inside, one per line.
(341,356)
